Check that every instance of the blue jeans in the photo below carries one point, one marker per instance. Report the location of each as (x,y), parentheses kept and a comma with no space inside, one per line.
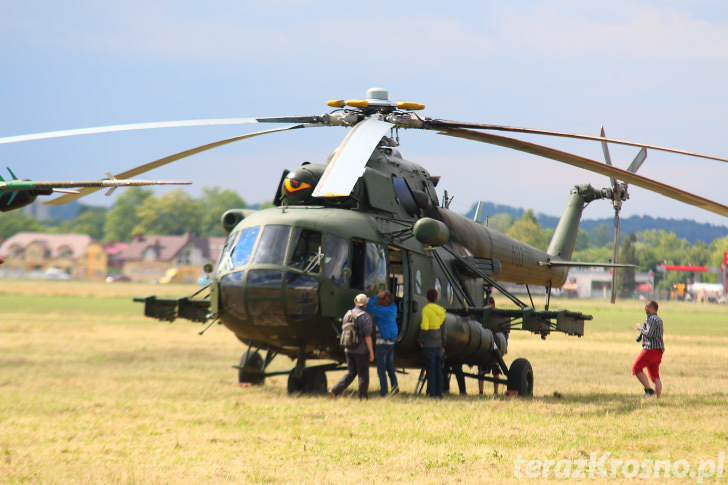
(384,355)
(433,367)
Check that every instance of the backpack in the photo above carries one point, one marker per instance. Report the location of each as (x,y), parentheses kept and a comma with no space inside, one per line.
(349,331)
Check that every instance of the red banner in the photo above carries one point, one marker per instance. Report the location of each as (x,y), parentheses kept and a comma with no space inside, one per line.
(676,267)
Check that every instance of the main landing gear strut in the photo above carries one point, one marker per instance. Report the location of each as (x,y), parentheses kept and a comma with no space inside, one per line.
(301,379)
(519,377)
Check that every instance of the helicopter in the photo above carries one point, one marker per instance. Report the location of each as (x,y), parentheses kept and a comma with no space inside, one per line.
(15,193)
(369,220)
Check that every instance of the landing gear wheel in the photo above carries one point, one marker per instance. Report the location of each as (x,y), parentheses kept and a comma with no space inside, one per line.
(520,378)
(295,384)
(314,381)
(251,370)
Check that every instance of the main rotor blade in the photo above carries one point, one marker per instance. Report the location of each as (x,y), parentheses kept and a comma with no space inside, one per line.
(351,158)
(593,166)
(159,124)
(446,125)
(20,185)
(164,161)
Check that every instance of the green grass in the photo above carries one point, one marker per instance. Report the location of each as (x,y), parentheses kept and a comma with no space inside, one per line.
(92,392)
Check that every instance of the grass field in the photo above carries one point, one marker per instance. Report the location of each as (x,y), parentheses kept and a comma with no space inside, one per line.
(92,392)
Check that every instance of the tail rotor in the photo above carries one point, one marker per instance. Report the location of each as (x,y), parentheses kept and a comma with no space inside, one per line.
(619,194)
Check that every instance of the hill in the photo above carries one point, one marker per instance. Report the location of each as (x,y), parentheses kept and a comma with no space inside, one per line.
(683,228)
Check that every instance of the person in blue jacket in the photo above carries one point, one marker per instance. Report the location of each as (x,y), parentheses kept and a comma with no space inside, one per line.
(382,307)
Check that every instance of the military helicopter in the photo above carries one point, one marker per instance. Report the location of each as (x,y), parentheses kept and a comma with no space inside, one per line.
(15,193)
(369,220)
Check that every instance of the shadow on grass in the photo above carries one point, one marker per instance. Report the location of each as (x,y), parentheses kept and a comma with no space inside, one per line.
(625,403)
(586,404)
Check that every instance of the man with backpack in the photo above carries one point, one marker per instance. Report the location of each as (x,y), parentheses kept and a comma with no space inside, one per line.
(356,337)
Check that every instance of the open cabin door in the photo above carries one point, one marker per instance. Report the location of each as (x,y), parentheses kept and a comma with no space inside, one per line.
(410,275)
(398,285)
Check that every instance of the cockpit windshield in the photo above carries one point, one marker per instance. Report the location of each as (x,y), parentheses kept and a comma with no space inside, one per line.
(311,252)
(240,254)
(272,246)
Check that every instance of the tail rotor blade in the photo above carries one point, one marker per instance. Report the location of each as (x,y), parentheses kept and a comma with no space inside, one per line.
(607,157)
(616,255)
(637,162)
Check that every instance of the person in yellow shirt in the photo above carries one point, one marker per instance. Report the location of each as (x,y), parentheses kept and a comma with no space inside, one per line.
(432,340)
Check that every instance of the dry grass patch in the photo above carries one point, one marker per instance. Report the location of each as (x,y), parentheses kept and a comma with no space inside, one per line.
(91,391)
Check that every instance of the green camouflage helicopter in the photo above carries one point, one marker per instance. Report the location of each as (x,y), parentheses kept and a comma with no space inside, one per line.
(369,220)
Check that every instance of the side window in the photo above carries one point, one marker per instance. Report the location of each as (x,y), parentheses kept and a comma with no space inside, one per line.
(223,260)
(272,246)
(307,252)
(404,194)
(240,254)
(336,258)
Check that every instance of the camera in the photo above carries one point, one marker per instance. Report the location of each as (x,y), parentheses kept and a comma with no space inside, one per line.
(638,339)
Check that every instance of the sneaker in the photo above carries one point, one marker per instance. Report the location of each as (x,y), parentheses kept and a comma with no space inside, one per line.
(332,395)
(648,393)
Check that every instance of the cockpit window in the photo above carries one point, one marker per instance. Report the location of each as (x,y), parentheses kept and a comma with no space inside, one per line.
(307,251)
(336,258)
(272,246)
(240,254)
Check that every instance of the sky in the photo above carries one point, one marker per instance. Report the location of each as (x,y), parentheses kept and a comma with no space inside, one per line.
(649,71)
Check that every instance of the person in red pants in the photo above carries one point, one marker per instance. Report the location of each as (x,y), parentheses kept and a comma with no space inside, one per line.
(652,349)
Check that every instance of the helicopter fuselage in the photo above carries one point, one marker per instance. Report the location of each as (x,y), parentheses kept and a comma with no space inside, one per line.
(288,274)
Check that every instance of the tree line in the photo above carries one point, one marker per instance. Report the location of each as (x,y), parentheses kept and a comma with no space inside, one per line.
(138,211)
(646,249)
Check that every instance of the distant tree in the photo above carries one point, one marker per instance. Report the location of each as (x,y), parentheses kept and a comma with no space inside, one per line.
(174,213)
(500,222)
(548,234)
(717,248)
(265,205)
(123,216)
(527,230)
(583,240)
(90,220)
(14,222)
(593,255)
(215,202)
(657,246)
(601,235)
(626,276)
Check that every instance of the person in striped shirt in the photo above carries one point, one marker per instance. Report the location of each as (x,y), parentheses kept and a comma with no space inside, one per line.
(652,349)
